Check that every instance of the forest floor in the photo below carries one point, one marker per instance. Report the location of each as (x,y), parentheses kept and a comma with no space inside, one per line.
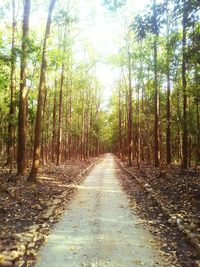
(27,209)
(101,226)
(180,194)
(99,229)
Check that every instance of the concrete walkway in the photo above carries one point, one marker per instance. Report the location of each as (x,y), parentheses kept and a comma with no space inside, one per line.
(98,228)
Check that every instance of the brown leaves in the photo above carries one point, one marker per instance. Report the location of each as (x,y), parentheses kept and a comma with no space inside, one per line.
(28,207)
(171,192)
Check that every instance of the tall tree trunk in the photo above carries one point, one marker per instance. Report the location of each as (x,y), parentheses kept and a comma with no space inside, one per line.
(119,124)
(142,135)
(156,94)
(11,127)
(44,129)
(21,157)
(127,124)
(70,126)
(36,154)
(179,137)
(130,132)
(61,103)
(54,125)
(139,132)
(184,84)
(198,127)
(66,151)
(82,138)
(60,117)
(198,135)
(48,123)
(168,133)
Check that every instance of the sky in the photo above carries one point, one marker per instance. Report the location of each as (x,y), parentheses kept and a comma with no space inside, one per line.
(102,31)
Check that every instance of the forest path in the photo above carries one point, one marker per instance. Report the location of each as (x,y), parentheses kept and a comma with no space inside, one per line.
(98,228)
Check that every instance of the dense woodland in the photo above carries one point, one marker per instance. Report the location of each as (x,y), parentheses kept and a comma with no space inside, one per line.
(156,105)
(51,104)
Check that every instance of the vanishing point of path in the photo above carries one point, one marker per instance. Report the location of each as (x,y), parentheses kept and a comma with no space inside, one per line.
(98,228)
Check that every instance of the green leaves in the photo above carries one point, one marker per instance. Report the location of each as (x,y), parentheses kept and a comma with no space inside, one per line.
(63,18)
(150,22)
(114,4)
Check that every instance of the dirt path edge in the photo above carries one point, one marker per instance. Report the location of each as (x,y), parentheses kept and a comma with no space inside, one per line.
(26,244)
(192,238)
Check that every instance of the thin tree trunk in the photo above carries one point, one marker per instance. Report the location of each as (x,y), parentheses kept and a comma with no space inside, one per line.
(70,126)
(198,126)
(11,127)
(59,154)
(44,129)
(126,126)
(179,152)
(54,125)
(82,127)
(36,154)
(184,84)
(156,96)
(60,117)
(168,131)
(120,124)
(130,132)
(139,138)
(149,133)
(142,135)
(198,136)
(48,123)
(21,157)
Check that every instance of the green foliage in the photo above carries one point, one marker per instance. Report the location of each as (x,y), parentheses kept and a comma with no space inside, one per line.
(114,4)
(63,18)
(84,121)
(150,22)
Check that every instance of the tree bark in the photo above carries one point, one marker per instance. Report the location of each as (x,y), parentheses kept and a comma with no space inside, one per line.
(119,124)
(44,118)
(70,126)
(168,130)
(60,117)
(83,127)
(54,125)
(61,103)
(184,85)
(11,127)
(22,117)
(139,131)
(130,132)
(36,154)
(156,96)
(198,135)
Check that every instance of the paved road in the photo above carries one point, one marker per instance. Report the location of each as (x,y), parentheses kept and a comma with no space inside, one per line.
(98,228)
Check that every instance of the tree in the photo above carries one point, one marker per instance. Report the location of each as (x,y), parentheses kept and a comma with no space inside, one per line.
(11,126)
(63,20)
(143,26)
(168,106)
(154,106)
(184,85)
(114,4)
(130,140)
(156,96)
(120,123)
(22,117)
(36,154)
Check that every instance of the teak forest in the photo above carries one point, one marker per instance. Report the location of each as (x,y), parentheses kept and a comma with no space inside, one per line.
(81,79)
